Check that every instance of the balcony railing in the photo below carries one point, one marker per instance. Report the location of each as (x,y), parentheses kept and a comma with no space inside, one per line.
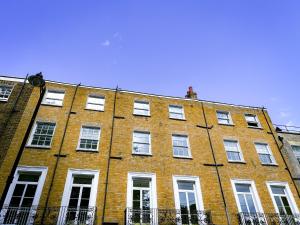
(287,129)
(166,217)
(63,215)
(268,218)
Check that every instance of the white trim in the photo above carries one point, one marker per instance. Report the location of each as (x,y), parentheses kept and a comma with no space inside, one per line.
(32,132)
(7,85)
(239,150)
(14,79)
(290,196)
(255,193)
(152,176)
(198,192)
(98,143)
(150,146)
(188,145)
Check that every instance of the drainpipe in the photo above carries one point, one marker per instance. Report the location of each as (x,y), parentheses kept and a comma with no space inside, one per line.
(216,165)
(279,148)
(109,155)
(59,155)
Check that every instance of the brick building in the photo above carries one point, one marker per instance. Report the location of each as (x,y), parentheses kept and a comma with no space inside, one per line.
(98,155)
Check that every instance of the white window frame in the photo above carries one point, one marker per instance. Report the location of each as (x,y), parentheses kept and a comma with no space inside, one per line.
(153,193)
(296,154)
(256,119)
(80,136)
(68,187)
(254,190)
(141,102)
(229,117)
(9,86)
(290,196)
(40,185)
(177,106)
(44,102)
(198,192)
(239,150)
(33,132)
(188,145)
(269,150)
(150,147)
(95,96)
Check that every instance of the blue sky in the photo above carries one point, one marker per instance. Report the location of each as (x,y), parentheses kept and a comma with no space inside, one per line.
(235,51)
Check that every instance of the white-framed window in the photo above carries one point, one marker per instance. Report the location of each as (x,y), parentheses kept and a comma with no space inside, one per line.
(141,108)
(252,120)
(224,117)
(54,97)
(95,102)
(233,151)
(141,143)
(248,202)
(176,112)
(42,134)
(5,91)
(141,198)
(264,153)
(89,138)
(79,197)
(282,199)
(296,151)
(181,146)
(23,196)
(188,199)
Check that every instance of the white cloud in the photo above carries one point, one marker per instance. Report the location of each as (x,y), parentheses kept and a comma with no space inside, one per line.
(105,43)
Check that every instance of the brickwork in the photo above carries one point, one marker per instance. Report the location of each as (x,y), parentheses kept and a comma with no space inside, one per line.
(161,162)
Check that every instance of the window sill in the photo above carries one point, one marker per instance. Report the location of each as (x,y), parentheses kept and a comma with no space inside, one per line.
(273,164)
(237,162)
(258,128)
(182,157)
(94,110)
(37,147)
(225,124)
(171,118)
(3,100)
(141,154)
(139,115)
(47,104)
(86,150)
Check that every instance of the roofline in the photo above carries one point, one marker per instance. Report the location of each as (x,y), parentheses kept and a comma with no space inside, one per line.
(18,79)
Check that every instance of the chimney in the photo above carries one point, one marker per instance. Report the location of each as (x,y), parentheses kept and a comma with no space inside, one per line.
(191,94)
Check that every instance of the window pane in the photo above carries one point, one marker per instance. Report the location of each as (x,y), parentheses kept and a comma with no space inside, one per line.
(5,92)
(176,112)
(278,190)
(54,97)
(231,146)
(250,203)
(29,177)
(242,188)
(185,185)
(180,141)
(250,118)
(261,148)
(180,151)
(242,202)
(265,158)
(192,202)
(141,182)
(82,179)
(43,134)
(141,137)
(141,148)
(234,156)
(95,103)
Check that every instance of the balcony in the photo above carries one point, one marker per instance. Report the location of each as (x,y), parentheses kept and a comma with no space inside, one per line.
(45,216)
(166,217)
(268,218)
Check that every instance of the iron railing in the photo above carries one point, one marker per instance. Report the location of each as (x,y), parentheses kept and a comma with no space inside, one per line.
(287,129)
(268,218)
(62,215)
(166,217)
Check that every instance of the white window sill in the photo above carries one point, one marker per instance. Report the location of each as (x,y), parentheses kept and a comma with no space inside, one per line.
(3,100)
(173,118)
(238,162)
(98,110)
(227,124)
(142,154)
(182,157)
(48,104)
(38,146)
(135,114)
(87,150)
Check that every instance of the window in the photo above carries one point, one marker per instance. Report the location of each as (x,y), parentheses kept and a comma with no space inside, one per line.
(5,91)
(224,117)
(252,120)
(296,150)
(233,150)
(95,102)
(248,202)
(176,112)
(283,201)
(54,97)
(181,146)
(188,200)
(141,108)
(141,143)
(89,138)
(141,198)
(79,197)
(264,153)
(23,195)
(42,134)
